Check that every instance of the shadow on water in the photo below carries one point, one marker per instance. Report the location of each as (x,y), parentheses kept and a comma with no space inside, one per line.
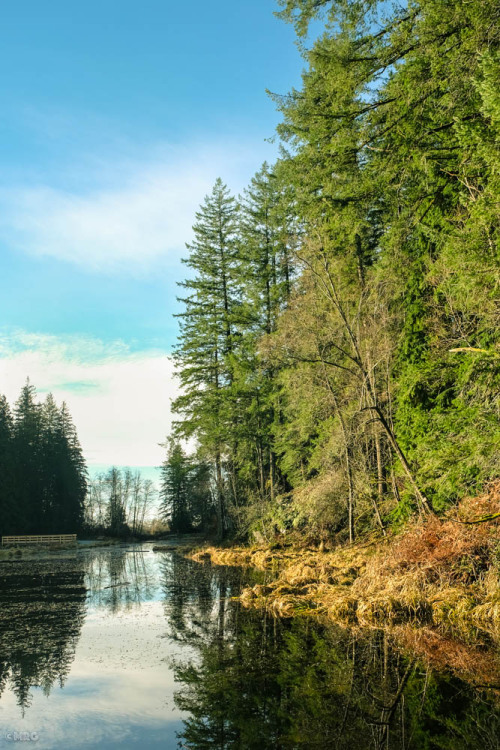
(259,682)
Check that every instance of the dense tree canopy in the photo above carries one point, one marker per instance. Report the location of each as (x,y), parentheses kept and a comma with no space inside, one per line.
(44,475)
(186,497)
(357,309)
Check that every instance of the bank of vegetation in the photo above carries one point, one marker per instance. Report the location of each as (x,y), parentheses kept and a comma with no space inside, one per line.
(338,350)
(440,575)
(339,342)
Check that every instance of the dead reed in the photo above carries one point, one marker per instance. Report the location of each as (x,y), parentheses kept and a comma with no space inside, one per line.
(441,574)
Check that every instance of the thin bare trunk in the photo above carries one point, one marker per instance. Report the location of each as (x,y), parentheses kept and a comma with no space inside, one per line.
(234,483)
(395,490)
(260,460)
(362,371)
(220,496)
(377,514)
(350,481)
(271,473)
(380,469)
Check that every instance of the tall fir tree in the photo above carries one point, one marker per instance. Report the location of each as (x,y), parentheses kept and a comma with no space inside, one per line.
(175,489)
(208,338)
(9,504)
(265,272)
(28,460)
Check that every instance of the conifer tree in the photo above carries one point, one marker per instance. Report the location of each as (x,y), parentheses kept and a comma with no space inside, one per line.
(265,273)
(9,506)
(73,472)
(175,488)
(45,475)
(28,460)
(208,338)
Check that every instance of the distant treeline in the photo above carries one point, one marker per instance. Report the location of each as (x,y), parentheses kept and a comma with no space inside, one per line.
(338,351)
(43,473)
(119,502)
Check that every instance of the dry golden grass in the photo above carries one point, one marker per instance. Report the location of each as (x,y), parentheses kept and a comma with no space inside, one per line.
(441,574)
(436,587)
(261,557)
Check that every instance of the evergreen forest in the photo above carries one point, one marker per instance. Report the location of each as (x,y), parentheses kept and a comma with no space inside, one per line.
(44,475)
(339,337)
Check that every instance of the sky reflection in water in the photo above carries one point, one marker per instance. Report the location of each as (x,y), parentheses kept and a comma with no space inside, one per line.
(119,690)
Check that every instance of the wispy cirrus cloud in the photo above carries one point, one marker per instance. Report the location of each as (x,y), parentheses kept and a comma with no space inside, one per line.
(121,215)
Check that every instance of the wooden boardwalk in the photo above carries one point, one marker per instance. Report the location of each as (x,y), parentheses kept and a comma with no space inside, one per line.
(39,539)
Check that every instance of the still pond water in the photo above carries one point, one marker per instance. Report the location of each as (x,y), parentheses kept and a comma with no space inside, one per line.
(124,647)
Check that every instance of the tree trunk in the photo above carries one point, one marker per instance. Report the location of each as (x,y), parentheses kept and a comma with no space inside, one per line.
(220,497)
(380,469)
(350,481)
(271,473)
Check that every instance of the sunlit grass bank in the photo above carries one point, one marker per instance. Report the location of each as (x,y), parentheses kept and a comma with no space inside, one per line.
(440,574)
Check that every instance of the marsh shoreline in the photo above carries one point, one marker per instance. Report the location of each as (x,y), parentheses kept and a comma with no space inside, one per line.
(435,588)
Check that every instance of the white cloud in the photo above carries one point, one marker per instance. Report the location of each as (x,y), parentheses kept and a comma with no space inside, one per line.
(119,400)
(121,214)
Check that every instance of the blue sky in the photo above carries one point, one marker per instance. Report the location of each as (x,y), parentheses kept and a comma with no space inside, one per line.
(117,117)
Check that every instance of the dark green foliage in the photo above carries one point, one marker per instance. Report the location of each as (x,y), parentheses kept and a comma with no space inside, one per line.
(186,494)
(44,473)
(208,339)
(8,508)
(360,363)
(243,272)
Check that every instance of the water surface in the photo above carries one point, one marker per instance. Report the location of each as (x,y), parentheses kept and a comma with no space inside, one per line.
(124,647)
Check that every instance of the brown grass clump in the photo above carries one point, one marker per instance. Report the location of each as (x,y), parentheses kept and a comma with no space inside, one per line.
(459,551)
(487,504)
(441,574)
(452,607)
(456,550)
(250,556)
(457,547)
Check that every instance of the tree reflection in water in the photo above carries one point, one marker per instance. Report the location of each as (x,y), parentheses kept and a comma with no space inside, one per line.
(246,680)
(42,611)
(119,578)
(260,682)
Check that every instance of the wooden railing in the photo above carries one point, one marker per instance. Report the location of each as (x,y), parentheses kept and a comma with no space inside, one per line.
(40,539)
